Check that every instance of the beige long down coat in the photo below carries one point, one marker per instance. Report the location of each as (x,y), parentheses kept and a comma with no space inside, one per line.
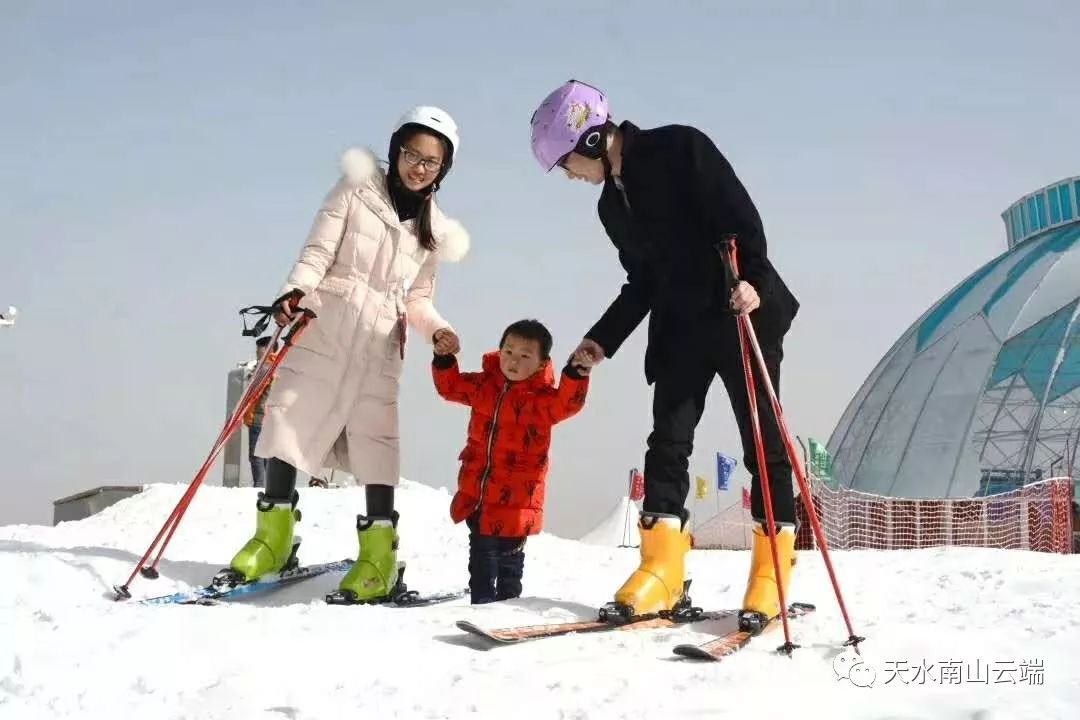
(334,401)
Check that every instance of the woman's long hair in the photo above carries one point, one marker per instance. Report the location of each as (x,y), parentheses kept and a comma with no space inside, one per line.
(424,198)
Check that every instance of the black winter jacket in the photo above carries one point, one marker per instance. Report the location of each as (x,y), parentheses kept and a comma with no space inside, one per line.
(680,198)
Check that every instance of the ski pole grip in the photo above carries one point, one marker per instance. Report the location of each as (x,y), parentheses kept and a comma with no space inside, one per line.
(729,259)
(299,324)
(730,256)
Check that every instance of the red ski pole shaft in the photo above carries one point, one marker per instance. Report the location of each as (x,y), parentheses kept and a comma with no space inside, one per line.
(250,396)
(185,502)
(807,495)
(173,521)
(763,476)
(800,476)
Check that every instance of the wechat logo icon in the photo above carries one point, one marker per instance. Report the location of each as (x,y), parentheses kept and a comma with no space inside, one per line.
(849,666)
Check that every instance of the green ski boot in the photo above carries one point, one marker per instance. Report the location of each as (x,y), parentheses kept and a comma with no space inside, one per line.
(376,575)
(272,548)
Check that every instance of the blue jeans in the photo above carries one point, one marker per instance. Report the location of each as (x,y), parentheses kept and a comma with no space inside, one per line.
(258,464)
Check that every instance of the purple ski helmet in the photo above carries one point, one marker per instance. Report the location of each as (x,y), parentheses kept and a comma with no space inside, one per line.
(572,118)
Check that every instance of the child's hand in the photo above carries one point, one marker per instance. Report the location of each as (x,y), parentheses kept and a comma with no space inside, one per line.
(446,342)
(581,370)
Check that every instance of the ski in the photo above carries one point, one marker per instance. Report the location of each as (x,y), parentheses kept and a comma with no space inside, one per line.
(720,647)
(212,594)
(612,616)
(522,633)
(216,594)
(409,599)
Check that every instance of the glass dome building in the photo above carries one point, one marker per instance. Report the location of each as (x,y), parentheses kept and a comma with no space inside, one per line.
(982,393)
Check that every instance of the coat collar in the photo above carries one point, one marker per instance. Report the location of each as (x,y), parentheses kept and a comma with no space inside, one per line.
(629,131)
(360,170)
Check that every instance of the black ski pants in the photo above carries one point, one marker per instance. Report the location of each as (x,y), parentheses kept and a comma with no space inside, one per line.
(680,389)
(496,565)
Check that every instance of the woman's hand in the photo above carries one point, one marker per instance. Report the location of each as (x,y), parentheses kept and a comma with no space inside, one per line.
(285,307)
(446,342)
(283,315)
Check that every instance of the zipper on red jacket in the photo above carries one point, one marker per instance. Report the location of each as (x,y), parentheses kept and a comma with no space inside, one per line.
(490,449)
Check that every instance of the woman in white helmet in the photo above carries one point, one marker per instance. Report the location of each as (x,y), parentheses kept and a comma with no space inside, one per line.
(368,272)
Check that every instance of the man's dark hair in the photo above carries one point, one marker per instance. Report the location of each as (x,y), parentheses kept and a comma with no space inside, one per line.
(530,330)
(263,341)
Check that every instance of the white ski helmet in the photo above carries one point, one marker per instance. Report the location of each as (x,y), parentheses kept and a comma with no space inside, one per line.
(436,119)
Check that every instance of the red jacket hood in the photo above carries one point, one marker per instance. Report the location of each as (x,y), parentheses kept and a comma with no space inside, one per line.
(544,377)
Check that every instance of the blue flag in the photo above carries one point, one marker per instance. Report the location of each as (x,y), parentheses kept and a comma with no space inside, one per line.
(725,465)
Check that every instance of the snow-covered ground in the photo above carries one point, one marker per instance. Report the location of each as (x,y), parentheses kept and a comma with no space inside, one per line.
(67,650)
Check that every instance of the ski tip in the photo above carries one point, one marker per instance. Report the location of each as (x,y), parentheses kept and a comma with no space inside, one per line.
(491,636)
(693,652)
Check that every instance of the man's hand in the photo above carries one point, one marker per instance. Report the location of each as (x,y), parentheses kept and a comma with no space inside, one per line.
(744,298)
(587,354)
(446,342)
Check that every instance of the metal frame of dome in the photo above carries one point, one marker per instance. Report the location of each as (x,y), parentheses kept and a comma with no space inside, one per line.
(994,397)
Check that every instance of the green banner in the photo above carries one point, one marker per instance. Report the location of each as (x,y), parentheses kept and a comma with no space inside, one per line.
(821,463)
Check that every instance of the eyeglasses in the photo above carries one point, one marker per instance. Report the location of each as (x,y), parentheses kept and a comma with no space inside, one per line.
(414,158)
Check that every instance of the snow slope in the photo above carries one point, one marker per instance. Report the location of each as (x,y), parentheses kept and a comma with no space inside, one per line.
(67,650)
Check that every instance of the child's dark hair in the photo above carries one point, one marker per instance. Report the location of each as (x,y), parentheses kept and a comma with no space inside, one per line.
(530,330)
(264,341)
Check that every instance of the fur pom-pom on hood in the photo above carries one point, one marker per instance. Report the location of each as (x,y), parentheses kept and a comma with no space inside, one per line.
(359,165)
(452,238)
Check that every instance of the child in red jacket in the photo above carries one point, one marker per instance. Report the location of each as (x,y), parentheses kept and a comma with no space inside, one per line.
(504,464)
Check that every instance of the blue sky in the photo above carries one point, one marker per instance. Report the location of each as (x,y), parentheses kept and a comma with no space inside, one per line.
(162,164)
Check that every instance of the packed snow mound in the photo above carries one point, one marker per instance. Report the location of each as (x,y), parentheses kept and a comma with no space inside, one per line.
(68,650)
(619,528)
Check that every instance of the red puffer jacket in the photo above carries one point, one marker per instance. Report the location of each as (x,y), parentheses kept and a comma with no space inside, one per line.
(505,461)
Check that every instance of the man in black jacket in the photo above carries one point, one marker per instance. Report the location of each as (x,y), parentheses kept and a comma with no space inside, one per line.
(669,199)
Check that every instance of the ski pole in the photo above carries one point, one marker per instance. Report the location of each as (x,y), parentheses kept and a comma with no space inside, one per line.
(804,488)
(261,377)
(296,326)
(226,432)
(763,475)
(255,388)
(230,428)
(172,522)
(759,447)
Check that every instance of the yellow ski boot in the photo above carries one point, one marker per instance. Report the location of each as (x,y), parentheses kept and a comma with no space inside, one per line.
(761,603)
(658,586)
